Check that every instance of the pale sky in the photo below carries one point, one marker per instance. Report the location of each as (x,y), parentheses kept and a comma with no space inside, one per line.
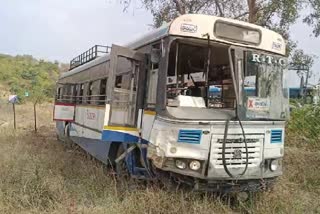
(62,29)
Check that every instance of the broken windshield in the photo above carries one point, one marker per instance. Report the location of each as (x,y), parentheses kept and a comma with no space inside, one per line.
(265,89)
(189,84)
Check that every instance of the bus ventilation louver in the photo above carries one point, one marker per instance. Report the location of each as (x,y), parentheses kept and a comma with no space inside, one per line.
(276,136)
(190,136)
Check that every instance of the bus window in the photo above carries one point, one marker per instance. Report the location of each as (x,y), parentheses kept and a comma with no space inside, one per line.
(187,76)
(74,93)
(66,93)
(102,94)
(123,82)
(152,86)
(118,81)
(89,93)
(124,94)
(152,76)
(81,93)
(58,97)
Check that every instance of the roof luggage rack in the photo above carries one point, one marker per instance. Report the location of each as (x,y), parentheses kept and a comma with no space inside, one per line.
(89,55)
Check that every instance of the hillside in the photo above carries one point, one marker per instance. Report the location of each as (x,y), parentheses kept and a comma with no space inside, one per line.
(19,74)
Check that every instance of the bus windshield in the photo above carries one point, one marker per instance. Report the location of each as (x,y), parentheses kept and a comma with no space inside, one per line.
(265,88)
(200,84)
(199,78)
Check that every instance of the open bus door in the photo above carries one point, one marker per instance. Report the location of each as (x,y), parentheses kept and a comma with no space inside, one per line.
(125,94)
(124,107)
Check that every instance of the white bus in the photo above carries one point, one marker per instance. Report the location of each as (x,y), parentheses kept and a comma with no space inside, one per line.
(145,107)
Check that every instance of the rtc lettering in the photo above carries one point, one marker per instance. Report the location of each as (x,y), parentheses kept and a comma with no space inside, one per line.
(267,59)
(91,115)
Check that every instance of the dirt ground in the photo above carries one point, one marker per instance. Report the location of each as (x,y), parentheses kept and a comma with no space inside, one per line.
(38,174)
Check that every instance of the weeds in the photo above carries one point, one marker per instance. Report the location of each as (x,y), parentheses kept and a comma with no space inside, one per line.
(304,125)
(38,174)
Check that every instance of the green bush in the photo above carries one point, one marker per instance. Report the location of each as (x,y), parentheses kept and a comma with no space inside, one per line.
(25,73)
(305,123)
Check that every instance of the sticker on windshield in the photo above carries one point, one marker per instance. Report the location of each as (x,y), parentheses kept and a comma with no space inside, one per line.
(258,104)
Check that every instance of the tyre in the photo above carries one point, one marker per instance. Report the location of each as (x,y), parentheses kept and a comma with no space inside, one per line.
(121,166)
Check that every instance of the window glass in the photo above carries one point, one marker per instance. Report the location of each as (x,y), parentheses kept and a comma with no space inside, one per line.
(191,83)
(89,92)
(238,33)
(125,93)
(58,97)
(103,89)
(81,93)
(152,86)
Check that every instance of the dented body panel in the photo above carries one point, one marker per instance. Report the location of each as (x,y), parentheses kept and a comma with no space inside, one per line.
(164,147)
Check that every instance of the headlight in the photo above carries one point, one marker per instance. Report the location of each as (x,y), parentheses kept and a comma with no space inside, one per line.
(274,164)
(195,165)
(181,164)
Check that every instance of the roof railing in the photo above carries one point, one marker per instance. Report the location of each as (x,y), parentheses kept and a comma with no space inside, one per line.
(89,55)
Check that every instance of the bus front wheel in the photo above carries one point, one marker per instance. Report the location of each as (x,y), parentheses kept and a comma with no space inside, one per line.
(120,163)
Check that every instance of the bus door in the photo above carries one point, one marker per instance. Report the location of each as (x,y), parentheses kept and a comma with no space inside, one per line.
(127,92)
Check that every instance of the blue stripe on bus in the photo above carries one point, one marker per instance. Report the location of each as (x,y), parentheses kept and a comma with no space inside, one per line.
(108,135)
(115,136)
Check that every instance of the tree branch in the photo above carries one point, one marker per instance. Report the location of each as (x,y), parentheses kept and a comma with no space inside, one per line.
(219,8)
(180,6)
(241,15)
(252,11)
(247,12)
(196,10)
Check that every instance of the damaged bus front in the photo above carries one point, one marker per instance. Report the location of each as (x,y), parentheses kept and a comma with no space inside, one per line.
(221,125)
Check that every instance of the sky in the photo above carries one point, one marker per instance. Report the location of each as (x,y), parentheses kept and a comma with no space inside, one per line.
(61,29)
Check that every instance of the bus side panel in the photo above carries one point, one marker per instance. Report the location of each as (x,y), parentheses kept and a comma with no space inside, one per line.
(87,129)
(112,133)
(147,124)
(88,122)
(97,148)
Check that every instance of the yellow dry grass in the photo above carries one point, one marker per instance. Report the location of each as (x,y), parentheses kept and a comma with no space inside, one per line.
(38,174)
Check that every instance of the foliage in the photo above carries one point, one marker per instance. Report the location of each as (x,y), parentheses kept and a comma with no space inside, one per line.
(302,62)
(274,14)
(25,73)
(304,123)
(277,15)
(298,57)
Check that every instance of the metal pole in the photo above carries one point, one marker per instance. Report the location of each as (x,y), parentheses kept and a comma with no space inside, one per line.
(35,117)
(14,116)
(305,88)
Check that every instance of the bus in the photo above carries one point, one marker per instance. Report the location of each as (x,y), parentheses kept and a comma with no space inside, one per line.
(145,108)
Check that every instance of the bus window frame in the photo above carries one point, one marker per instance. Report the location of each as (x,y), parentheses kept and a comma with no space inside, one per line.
(235,40)
(152,69)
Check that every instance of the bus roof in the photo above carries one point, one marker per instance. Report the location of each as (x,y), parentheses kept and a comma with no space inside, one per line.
(204,24)
(196,26)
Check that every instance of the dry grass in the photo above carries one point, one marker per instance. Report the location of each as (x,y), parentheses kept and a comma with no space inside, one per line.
(40,175)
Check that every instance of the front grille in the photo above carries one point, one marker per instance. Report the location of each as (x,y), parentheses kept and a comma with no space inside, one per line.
(235,152)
